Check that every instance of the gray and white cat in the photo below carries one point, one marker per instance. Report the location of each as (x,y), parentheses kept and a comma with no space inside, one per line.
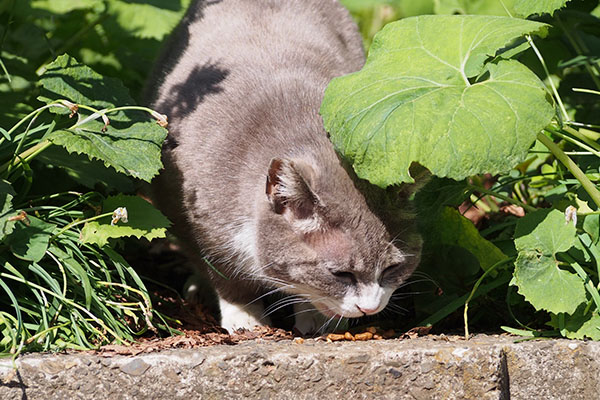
(242,82)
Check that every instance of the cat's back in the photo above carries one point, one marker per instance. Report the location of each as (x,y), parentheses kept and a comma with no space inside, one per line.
(247,43)
(241,82)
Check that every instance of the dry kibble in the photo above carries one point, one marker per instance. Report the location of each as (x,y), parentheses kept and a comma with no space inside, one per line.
(299,340)
(364,336)
(371,329)
(348,336)
(334,337)
(377,337)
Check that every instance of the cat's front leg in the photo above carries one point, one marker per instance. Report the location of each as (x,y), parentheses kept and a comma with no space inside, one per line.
(236,316)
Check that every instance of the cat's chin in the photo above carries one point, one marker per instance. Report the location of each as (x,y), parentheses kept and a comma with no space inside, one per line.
(329,313)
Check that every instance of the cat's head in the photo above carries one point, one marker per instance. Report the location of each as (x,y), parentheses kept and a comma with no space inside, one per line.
(319,239)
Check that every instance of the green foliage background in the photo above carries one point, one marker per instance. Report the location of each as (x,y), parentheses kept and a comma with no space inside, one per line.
(74,146)
(63,282)
(508,90)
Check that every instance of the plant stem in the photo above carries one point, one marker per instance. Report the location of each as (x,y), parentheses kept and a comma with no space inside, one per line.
(475,287)
(509,199)
(75,223)
(26,155)
(590,91)
(582,137)
(552,86)
(586,280)
(572,167)
(574,141)
(457,303)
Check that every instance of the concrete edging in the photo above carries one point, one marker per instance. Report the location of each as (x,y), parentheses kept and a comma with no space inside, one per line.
(485,367)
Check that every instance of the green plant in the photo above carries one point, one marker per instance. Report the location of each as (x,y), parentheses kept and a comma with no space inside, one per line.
(62,290)
(73,143)
(500,95)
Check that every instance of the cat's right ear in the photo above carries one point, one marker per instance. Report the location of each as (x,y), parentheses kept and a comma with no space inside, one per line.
(289,193)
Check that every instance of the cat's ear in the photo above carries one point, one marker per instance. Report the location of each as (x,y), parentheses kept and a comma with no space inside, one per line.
(290,194)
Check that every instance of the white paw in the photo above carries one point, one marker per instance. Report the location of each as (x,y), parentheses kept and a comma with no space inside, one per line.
(194,289)
(234,316)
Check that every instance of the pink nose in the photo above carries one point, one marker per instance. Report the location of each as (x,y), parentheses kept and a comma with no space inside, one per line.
(367,311)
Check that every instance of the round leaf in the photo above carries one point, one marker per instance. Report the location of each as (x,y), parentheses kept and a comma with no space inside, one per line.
(538,237)
(545,285)
(426,95)
(545,231)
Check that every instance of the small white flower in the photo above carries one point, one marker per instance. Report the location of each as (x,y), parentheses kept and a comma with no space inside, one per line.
(571,215)
(161,119)
(73,107)
(106,122)
(119,214)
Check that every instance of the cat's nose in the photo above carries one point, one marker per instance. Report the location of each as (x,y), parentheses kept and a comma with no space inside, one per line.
(367,311)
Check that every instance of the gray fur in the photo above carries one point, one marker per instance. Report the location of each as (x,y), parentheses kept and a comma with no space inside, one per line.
(241,82)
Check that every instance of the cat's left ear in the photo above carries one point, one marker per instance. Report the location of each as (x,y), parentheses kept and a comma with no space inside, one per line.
(290,194)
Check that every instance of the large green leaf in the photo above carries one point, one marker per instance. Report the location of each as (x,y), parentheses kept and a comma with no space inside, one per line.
(67,78)
(130,144)
(427,95)
(143,221)
(539,237)
(526,8)
(29,240)
(450,228)
(85,171)
(591,225)
(545,285)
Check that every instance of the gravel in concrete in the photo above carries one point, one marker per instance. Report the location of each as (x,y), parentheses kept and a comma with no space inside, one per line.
(485,367)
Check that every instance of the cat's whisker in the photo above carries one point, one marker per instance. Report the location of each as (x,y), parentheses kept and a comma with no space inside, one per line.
(338,323)
(303,311)
(283,300)
(264,278)
(288,301)
(266,314)
(399,296)
(279,289)
(309,300)
(396,309)
(413,281)
(423,275)
(322,329)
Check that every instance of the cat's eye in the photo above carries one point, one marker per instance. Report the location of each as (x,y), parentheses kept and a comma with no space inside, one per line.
(390,272)
(345,276)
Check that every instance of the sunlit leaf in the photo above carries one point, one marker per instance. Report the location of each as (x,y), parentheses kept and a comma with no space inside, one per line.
(427,95)
(130,143)
(143,221)
(539,237)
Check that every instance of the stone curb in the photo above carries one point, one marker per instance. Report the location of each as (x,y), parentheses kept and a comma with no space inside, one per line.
(485,367)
